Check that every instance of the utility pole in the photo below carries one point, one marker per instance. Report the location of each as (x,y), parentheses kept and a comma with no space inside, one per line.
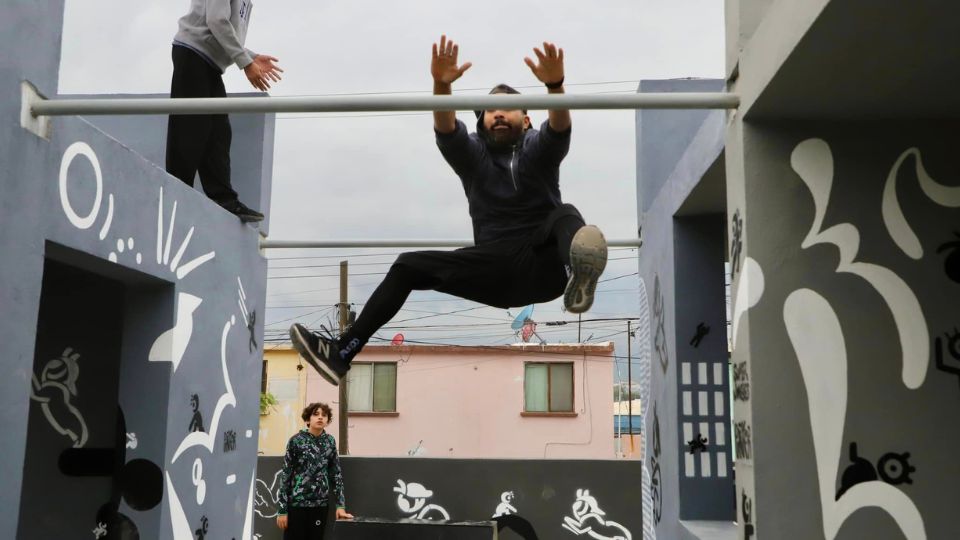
(344,311)
(629,388)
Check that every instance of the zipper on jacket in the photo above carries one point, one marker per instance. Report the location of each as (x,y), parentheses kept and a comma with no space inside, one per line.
(512,177)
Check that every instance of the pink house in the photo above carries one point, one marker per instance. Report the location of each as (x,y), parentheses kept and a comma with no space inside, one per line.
(519,401)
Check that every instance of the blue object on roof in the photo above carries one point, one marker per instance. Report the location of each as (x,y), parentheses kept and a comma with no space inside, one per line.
(628,424)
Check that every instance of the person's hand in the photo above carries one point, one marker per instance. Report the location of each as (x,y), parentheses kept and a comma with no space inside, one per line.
(262,71)
(549,69)
(342,514)
(282,522)
(443,66)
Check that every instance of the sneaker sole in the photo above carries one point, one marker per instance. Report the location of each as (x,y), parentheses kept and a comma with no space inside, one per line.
(250,219)
(588,258)
(302,347)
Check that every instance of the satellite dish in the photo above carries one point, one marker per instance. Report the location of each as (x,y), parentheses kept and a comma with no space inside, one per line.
(397,340)
(522,318)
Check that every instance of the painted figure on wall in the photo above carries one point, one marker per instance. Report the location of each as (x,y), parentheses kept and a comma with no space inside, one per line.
(196,422)
(55,390)
(589,519)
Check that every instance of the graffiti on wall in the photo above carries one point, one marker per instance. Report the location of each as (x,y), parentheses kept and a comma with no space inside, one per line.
(55,391)
(266,501)
(589,519)
(944,363)
(744,436)
(84,222)
(951,264)
(697,444)
(660,322)
(412,501)
(702,331)
(818,340)
(176,253)
(656,488)
(892,468)
(505,508)
(746,510)
(736,242)
(741,382)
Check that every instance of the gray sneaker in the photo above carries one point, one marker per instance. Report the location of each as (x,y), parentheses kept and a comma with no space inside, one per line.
(588,258)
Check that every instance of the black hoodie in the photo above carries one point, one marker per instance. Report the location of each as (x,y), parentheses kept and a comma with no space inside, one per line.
(510,190)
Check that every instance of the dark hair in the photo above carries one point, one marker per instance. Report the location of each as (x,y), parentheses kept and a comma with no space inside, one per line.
(498,89)
(310,409)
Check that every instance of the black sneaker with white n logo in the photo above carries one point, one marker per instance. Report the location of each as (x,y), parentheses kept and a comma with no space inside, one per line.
(320,351)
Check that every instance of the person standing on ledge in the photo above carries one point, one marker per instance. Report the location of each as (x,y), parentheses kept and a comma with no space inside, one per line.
(530,247)
(209,40)
(311,468)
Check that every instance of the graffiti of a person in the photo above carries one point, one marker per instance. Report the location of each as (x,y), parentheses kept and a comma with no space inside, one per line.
(589,519)
(54,389)
(196,423)
(412,500)
(505,508)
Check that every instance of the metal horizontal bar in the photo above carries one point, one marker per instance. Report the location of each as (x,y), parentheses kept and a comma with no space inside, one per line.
(106,106)
(408,243)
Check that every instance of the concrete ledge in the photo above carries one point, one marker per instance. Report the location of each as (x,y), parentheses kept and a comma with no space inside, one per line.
(708,530)
(414,529)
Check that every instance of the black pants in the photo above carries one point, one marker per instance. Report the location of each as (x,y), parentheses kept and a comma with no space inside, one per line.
(199,143)
(305,523)
(507,273)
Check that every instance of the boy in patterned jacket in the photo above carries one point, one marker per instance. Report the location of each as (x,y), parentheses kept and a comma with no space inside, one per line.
(310,466)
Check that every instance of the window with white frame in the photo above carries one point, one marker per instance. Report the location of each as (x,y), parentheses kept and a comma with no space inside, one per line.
(548,387)
(372,387)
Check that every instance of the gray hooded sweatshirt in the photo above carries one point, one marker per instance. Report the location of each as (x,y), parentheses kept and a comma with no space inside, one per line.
(217,29)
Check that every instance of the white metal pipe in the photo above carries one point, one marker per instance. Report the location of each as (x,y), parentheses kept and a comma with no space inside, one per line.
(408,243)
(106,106)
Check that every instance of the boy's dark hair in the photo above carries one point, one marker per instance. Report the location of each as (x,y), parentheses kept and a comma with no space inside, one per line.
(310,409)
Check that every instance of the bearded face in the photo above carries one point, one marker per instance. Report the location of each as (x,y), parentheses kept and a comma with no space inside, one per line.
(505,128)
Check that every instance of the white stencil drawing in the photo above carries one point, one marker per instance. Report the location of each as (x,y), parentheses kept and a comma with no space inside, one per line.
(893,218)
(163,248)
(589,519)
(54,390)
(196,475)
(248,519)
(505,508)
(812,160)
(412,500)
(131,441)
(266,500)
(206,439)
(172,344)
(817,338)
(86,221)
(749,293)
(100,530)
(178,519)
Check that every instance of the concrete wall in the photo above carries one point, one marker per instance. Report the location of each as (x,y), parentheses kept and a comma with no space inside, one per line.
(537,498)
(842,178)
(845,313)
(460,403)
(183,278)
(681,272)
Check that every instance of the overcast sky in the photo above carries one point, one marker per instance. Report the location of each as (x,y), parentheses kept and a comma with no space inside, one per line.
(381,176)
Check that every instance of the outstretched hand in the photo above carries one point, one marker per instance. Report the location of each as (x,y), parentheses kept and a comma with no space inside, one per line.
(443,65)
(262,71)
(549,66)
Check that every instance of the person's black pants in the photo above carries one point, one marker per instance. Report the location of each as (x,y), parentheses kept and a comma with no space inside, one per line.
(512,272)
(305,523)
(201,142)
